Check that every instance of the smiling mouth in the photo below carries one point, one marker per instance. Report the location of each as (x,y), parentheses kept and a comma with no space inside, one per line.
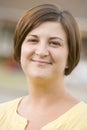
(41,62)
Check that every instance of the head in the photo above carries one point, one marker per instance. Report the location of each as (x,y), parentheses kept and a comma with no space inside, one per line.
(48,12)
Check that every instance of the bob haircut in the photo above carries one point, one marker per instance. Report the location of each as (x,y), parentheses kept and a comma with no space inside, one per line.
(49,12)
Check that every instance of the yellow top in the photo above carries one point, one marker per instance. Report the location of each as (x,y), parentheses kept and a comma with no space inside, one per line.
(74,119)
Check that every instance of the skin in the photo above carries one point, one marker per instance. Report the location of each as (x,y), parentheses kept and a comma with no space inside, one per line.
(44,55)
(41,56)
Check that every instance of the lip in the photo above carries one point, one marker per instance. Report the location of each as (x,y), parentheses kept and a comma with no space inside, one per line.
(41,62)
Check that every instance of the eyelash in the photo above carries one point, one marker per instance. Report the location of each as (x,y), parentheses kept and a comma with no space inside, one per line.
(32,40)
(55,43)
(52,43)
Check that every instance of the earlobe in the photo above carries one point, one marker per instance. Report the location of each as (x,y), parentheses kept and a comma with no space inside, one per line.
(66,67)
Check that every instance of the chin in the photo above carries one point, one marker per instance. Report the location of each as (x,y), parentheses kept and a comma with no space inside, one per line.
(40,74)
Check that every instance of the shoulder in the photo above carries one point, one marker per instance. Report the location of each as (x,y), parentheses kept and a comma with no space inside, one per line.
(78,116)
(5,107)
(9,103)
(81,116)
(83,106)
(80,110)
(83,110)
(9,119)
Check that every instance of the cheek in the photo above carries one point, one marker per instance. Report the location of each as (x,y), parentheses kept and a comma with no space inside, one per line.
(24,55)
(25,51)
(60,56)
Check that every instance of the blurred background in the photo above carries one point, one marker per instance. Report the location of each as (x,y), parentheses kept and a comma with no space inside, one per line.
(12,80)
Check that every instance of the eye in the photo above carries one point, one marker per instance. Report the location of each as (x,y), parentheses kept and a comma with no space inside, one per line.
(32,40)
(55,43)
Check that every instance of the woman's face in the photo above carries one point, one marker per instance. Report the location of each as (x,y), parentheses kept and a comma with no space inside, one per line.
(44,51)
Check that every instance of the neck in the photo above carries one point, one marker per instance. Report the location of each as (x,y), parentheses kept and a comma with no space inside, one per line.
(46,91)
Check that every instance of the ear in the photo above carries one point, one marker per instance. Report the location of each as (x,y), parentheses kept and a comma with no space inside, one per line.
(66,67)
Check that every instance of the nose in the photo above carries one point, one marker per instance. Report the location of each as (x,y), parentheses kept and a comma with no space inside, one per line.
(42,50)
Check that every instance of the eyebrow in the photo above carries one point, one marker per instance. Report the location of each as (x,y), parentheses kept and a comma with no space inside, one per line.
(33,35)
(52,38)
(57,38)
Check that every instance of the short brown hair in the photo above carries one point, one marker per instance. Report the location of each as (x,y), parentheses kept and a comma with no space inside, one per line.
(49,12)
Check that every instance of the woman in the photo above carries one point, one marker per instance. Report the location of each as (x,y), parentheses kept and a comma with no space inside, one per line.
(47,45)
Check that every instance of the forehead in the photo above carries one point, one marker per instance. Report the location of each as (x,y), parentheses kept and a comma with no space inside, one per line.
(49,28)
